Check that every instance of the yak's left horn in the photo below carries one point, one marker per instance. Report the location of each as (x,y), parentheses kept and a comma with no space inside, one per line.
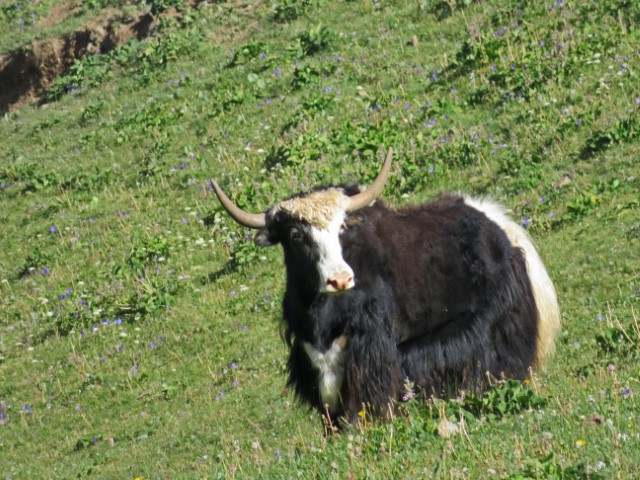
(365,198)
(246,219)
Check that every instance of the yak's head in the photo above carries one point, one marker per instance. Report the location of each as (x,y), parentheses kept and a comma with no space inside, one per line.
(308,227)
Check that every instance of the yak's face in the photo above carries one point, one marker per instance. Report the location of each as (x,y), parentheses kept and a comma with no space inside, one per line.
(309,228)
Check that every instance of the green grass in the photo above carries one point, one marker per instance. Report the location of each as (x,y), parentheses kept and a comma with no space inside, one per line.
(130,302)
(22,21)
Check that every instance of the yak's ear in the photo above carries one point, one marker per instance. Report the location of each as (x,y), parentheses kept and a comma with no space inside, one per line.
(266,237)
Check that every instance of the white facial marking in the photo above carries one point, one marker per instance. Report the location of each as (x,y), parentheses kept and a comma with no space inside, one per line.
(335,274)
(331,367)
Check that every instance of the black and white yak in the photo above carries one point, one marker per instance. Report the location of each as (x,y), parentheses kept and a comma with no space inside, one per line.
(449,295)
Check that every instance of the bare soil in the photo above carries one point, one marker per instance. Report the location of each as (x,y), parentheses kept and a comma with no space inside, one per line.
(28,72)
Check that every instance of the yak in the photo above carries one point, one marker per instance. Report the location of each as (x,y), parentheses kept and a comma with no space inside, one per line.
(450,295)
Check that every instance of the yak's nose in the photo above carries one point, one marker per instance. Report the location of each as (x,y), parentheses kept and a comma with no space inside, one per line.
(340,282)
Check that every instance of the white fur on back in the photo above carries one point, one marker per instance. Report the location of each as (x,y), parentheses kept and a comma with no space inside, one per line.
(544,291)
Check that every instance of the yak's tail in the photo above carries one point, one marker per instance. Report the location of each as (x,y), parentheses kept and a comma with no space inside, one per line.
(544,291)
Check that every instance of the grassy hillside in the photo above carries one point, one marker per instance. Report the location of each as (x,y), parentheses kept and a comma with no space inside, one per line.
(139,326)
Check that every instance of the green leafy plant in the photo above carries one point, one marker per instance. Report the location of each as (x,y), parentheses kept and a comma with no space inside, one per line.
(549,467)
(625,131)
(244,253)
(288,10)
(21,12)
(311,41)
(505,398)
(91,111)
(89,70)
(159,6)
(248,52)
(149,252)
(167,48)
(88,5)
(306,74)
(38,259)
(617,343)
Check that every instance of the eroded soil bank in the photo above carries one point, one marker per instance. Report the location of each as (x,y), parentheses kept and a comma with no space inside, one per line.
(28,72)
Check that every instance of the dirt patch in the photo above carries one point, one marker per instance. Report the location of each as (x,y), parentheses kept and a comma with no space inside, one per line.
(28,72)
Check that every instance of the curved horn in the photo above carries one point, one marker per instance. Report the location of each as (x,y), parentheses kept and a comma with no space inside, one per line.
(363,199)
(250,220)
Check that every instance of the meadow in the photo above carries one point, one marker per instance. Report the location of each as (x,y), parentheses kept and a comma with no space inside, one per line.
(140,326)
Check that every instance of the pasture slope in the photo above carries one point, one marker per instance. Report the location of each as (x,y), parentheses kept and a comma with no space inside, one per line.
(139,325)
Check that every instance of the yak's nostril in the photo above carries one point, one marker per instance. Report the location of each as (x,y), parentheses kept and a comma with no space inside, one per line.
(340,283)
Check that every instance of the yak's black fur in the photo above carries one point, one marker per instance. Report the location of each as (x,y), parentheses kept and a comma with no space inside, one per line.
(441,298)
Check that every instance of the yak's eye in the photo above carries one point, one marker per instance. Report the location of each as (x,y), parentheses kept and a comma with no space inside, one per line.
(295,235)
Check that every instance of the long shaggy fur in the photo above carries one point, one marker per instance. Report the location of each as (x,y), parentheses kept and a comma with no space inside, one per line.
(450,295)
(544,292)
